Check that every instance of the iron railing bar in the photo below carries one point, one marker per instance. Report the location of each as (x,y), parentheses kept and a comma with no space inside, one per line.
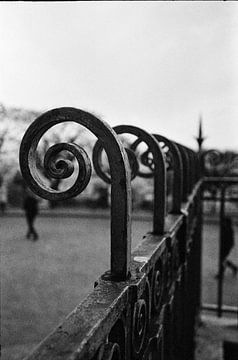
(216,179)
(208,198)
(225,308)
(186,204)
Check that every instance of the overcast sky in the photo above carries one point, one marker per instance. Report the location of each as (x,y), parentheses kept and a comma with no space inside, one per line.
(157,65)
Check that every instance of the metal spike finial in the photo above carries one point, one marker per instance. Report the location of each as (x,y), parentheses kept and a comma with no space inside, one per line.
(200,137)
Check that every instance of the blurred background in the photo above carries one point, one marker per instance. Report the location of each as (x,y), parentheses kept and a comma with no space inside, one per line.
(163,66)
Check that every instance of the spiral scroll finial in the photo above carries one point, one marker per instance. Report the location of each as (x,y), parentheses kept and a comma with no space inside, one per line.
(55,168)
(211,160)
(63,168)
(104,175)
(119,170)
(154,159)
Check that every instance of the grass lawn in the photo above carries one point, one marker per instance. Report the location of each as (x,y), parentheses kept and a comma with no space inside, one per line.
(43,281)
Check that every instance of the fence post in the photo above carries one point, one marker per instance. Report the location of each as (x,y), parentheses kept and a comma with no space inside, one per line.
(220,265)
(185,167)
(178,172)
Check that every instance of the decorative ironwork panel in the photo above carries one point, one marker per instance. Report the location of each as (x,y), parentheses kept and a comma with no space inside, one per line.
(145,307)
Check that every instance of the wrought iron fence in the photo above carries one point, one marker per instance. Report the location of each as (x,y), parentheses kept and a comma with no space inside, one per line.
(146,305)
(218,178)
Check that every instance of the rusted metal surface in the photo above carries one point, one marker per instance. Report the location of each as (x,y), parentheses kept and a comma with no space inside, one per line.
(150,314)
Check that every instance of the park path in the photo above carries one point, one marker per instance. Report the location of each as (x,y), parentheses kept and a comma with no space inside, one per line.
(43,281)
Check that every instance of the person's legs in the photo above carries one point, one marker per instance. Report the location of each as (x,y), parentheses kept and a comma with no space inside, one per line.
(28,234)
(221,271)
(33,231)
(232,266)
(3,207)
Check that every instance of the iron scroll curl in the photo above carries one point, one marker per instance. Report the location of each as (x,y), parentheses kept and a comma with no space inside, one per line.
(119,170)
(210,160)
(156,165)
(109,351)
(57,169)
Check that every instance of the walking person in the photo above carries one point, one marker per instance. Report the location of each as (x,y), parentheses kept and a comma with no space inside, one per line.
(227,243)
(30,205)
(3,198)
